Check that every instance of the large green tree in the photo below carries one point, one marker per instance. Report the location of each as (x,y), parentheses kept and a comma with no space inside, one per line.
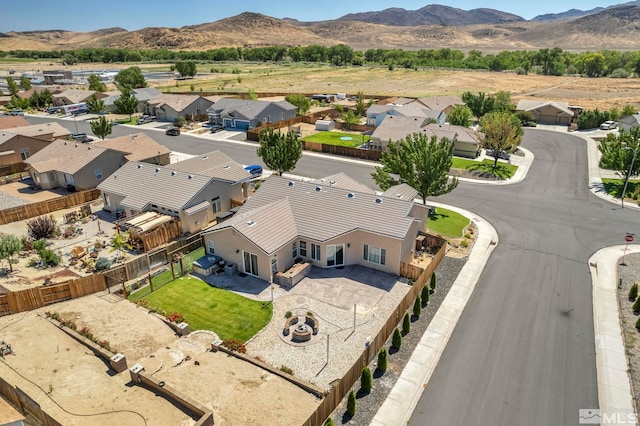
(95,105)
(9,246)
(618,152)
(279,151)
(101,127)
(130,78)
(12,86)
(126,103)
(420,162)
(25,83)
(500,131)
(96,84)
(350,118)
(460,115)
(186,68)
(479,104)
(299,101)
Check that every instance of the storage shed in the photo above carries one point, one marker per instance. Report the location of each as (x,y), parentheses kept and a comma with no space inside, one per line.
(325,125)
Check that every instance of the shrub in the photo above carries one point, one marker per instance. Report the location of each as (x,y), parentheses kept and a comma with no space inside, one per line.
(432,282)
(174,317)
(382,360)
(619,73)
(329,422)
(309,313)
(103,263)
(464,243)
(396,341)
(467,235)
(49,257)
(424,295)
(235,346)
(288,314)
(41,227)
(406,324)
(33,262)
(636,306)
(366,381)
(351,404)
(638,324)
(417,307)
(633,292)
(179,122)
(521,71)
(286,369)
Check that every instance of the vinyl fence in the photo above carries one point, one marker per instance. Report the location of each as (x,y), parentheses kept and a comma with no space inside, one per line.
(28,211)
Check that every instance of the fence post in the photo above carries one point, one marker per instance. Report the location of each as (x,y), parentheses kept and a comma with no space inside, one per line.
(150,282)
(124,291)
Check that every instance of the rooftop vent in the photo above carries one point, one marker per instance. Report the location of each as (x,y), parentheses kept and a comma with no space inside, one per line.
(157,169)
(226,166)
(139,166)
(290,183)
(399,195)
(333,182)
(378,200)
(204,157)
(190,177)
(250,223)
(318,189)
(173,173)
(351,195)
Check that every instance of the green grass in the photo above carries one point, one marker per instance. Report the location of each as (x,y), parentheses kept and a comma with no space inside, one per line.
(614,187)
(333,138)
(207,308)
(448,223)
(502,170)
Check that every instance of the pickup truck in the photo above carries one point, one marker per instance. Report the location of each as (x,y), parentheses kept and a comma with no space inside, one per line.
(143,119)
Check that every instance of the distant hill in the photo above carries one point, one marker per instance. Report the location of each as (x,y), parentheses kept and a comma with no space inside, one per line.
(433,14)
(577,13)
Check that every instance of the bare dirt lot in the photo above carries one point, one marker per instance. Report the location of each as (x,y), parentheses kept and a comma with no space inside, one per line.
(50,366)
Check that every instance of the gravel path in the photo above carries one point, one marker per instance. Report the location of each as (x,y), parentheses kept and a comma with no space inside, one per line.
(367,405)
(8,201)
(630,274)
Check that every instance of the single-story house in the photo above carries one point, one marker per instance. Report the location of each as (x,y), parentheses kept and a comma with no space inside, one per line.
(243,114)
(395,128)
(628,122)
(168,107)
(441,103)
(286,222)
(15,148)
(45,131)
(72,164)
(138,147)
(9,121)
(142,95)
(377,113)
(57,76)
(192,190)
(75,96)
(547,112)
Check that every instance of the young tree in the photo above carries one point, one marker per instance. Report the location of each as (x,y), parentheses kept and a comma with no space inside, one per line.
(432,282)
(366,381)
(350,118)
(361,105)
(351,404)
(421,163)
(636,306)
(638,324)
(460,115)
(417,307)
(101,127)
(618,152)
(95,105)
(406,324)
(501,132)
(252,95)
(280,152)
(633,292)
(41,99)
(96,84)
(126,103)
(120,242)
(396,341)
(628,110)
(299,101)
(9,246)
(12,86)
(329,422)
(131,78)
(25,83)
(382,360)
(424,295)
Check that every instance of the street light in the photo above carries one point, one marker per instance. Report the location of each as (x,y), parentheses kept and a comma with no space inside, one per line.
(626,179)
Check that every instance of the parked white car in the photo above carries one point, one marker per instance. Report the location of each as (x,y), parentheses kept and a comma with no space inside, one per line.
(608,125)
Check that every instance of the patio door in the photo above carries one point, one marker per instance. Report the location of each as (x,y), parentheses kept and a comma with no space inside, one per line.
(250,263)
(335,255)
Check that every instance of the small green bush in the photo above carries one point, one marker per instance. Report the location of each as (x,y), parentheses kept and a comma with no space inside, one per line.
(619,73)
(103,263)
(366,381)
(638,324)
(396,342)
(351,404)
(417,307)
(464,243)
(382,360)
(406,324)
(329,422)
(425,295)
(633,292)
(288,314)
(286,369)
(432,282)
(636,306)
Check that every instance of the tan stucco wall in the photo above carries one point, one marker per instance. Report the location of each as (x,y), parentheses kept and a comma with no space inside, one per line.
(17,144)
(197,221)
(108,162)
(218,189)
(228,241)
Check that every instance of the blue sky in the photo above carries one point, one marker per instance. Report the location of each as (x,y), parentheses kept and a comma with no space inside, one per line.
(89,15)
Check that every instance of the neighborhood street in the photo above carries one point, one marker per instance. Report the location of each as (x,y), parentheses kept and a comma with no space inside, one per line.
(523,352)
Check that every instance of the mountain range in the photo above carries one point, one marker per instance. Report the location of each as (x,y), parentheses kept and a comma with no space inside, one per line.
(431,27)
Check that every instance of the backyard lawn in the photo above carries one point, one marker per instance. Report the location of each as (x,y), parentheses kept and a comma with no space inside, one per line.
(203,307)
(337,138)
(614,187)
(502,170)
(447,223)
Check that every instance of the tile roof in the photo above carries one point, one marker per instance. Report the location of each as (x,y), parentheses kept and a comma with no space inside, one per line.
(176,102)
(36,130)
(143,183)
(214,164)
(9,121)
(139,146)
(318,212)
(76,95)
(64,156)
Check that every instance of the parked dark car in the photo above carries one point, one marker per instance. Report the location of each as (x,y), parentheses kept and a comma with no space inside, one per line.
(215,128)
(172,131)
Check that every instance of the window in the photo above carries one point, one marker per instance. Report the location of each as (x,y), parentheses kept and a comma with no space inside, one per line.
(250,263)
(303,248)
(374,254)
(215,203)
(210,247)
(52,177)
(316,252)
(98,174)
(294,250)
(274,265)
(24,154)
(335,255)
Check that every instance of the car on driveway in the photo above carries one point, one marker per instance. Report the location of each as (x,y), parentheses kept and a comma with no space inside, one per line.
(172,131)
(215,128)
(608,125)
(143,119)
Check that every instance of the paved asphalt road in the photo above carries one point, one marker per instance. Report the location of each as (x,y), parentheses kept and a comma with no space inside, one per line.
(523,352)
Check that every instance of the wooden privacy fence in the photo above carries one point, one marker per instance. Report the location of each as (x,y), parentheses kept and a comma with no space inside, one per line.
(346,151)
(33,298)
(43,207)
(24,404)
(341,388)
(157,236)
